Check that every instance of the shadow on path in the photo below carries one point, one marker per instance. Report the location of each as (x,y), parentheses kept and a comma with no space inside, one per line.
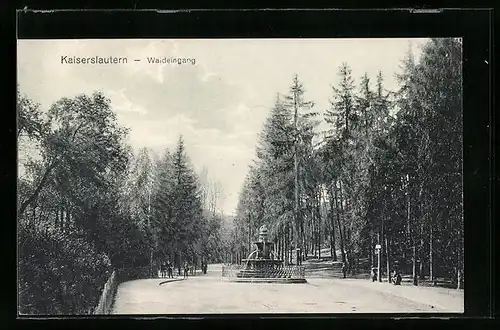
(171,280)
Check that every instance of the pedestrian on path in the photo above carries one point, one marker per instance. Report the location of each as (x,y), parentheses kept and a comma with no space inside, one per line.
(163,268)
(205,266)
(169,269)
(186,269)
(374,274)
(396,277)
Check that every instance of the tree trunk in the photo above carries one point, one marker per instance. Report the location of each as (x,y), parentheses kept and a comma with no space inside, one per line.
(318,240)
(371,255)
(313,236)
(63,218)
(33,216)
(56,223)
(459,268)
(342,250)
(408,210)
(249,234)
(289,246)
(346,241)
(313,247)
(381,241)
(414,268)
(318,212)
(332,234)
(332,247)
(303,237)
(278,243)
(277,246)
(68,218)
(388,259)
(283,244)
(411,233)
(286,246)
(421,265)
(350,254)
(379,259)
(431,259)
(282,249)
(39,187)
(309,249)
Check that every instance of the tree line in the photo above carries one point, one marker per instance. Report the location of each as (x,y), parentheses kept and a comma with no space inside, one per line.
(88,204)
(387,171)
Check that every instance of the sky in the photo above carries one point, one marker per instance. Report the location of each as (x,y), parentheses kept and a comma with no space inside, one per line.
(218,102)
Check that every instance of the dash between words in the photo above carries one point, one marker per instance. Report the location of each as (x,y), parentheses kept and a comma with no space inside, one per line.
(65,59)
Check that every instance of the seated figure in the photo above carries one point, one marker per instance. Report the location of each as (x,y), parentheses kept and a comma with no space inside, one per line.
(396,278)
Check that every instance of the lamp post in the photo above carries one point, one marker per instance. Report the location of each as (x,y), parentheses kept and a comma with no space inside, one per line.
(378,247)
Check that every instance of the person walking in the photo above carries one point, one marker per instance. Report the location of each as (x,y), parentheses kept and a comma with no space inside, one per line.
(186,269)
(396,277)
(163,268)
(374,274)
(169,269)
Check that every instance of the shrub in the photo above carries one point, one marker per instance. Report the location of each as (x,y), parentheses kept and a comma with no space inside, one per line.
(59,274)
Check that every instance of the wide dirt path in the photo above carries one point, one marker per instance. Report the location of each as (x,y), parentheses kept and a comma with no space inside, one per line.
(204,294)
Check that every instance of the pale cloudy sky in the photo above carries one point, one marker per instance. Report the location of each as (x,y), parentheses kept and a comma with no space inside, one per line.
(219,104)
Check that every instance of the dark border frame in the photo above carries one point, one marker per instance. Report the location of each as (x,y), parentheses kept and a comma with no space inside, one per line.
(475,26)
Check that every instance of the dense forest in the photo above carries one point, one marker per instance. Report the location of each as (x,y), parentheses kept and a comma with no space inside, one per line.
(88,204)
(387,171)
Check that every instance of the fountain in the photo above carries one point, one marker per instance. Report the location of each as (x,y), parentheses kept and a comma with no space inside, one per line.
(264,265)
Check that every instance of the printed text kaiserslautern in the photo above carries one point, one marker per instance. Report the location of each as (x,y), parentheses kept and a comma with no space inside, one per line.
(93,60)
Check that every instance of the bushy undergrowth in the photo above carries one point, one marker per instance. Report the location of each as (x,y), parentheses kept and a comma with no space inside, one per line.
(59,274)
